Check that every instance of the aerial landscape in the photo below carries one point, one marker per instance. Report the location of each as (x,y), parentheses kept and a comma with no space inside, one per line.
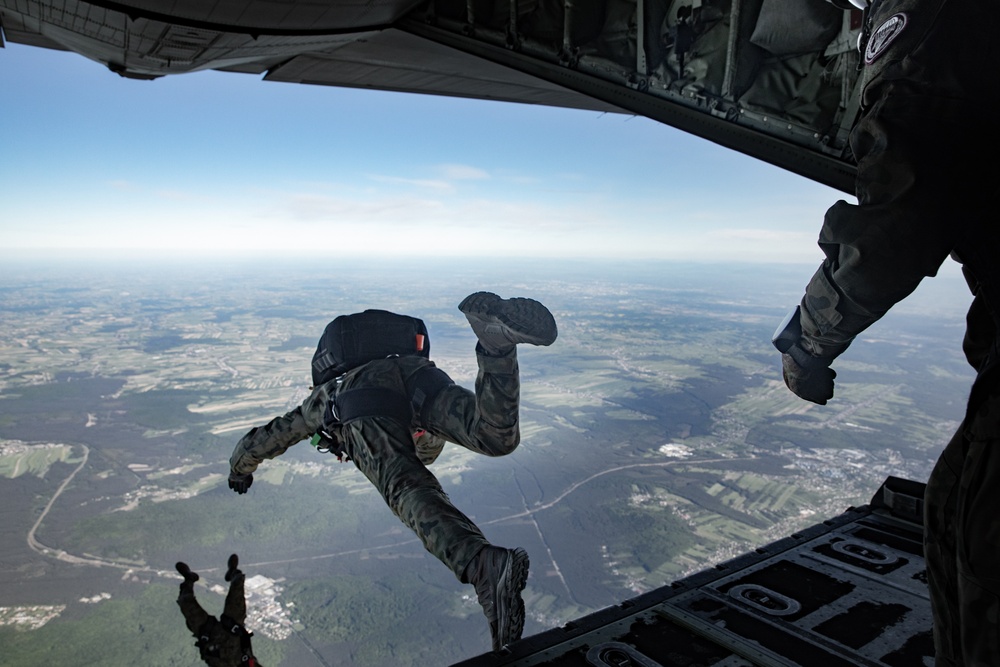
(171,250)
(657,440)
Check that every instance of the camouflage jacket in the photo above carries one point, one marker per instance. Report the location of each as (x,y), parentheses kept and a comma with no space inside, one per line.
(917,203)
(274,438)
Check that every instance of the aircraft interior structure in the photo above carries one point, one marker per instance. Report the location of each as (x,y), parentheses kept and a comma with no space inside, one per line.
(775,79)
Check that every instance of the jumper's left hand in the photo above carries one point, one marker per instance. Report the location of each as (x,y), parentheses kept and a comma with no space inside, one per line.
(240,483)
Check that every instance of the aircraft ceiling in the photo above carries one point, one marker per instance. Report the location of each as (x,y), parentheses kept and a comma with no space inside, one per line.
(763,77)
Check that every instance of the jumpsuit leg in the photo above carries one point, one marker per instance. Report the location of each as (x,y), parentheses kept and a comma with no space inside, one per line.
(383,450)
(236,602)
(194,616)
(487,421)
(961,534)
(940,551)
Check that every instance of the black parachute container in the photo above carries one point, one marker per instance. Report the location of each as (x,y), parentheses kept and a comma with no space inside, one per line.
(353,340)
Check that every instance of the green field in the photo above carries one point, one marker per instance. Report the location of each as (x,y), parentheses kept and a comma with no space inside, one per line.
(34,460)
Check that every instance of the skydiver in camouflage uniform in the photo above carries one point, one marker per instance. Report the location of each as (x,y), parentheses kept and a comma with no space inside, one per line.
(928,97)
(223,642)
(394,455)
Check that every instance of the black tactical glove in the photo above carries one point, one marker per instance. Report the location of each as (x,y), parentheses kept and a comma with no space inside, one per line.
(240,483)
(807,376)
(812,380)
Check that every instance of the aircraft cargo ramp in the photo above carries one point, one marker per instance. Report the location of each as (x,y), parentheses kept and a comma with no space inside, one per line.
(849,591)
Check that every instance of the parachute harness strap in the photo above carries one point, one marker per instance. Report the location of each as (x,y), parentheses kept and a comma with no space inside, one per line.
(373,402)
(421,390)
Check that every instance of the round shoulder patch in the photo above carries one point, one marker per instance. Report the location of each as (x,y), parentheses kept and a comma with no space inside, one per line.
(883,36)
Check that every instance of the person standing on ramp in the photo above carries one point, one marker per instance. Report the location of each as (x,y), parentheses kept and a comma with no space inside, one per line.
(926,108)
(379,401)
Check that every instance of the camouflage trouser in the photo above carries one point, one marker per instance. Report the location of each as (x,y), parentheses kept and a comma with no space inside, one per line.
(383,449)
(218,643)
(962,542)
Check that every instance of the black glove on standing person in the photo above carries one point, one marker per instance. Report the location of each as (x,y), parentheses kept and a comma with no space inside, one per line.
(807,376)
(812,381)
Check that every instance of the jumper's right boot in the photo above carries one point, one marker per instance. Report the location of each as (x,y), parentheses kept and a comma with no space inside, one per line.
(499,576)
(500,324)
(232,567)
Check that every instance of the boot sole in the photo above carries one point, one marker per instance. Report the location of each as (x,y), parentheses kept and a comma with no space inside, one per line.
(523,320)
(510,610)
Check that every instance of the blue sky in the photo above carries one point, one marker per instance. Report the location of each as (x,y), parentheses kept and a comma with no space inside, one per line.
(227,163)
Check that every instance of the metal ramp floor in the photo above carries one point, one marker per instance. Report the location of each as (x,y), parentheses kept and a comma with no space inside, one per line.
(849,591)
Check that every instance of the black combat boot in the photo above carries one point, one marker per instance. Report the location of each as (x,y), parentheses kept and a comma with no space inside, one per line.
(500,324)
(233,568)
(499,576)
(185,571)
